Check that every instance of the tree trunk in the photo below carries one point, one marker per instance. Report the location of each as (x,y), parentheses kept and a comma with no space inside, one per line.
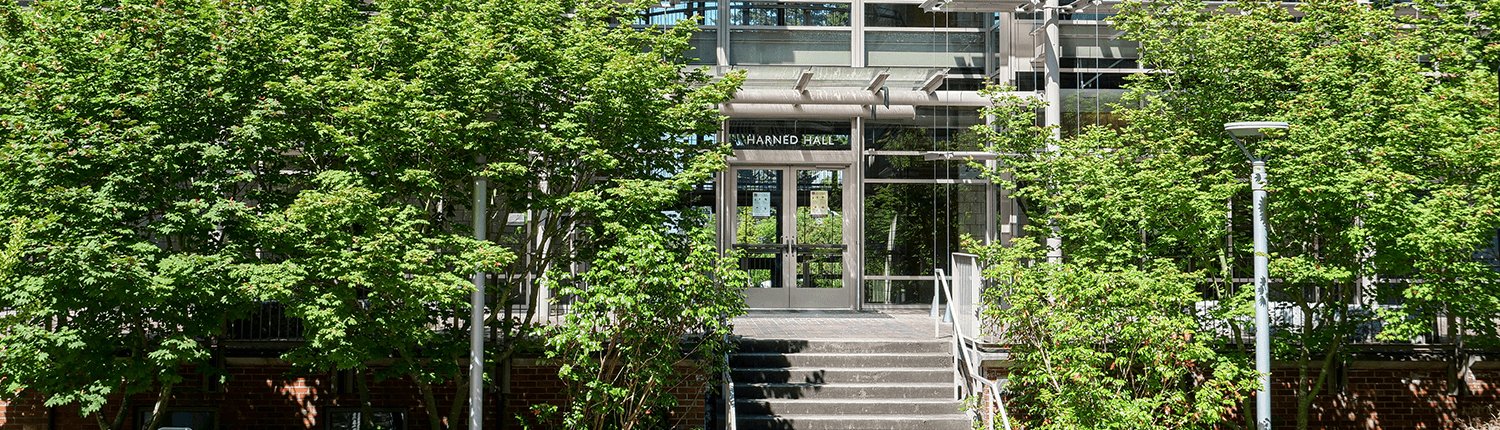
(119,421)
(429,401)
(366,411)
(161,406)
(460,402)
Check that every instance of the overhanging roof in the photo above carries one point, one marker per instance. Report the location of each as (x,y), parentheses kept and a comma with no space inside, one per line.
(973,5)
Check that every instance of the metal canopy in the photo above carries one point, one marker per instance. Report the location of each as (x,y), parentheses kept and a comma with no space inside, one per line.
(822,78)
(973,5)
(828,92)
(1005,5)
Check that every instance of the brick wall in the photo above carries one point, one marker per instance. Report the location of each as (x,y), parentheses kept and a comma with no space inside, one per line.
(265,394)
(26,413)
(1390,396)
(533,382)
(1383,396)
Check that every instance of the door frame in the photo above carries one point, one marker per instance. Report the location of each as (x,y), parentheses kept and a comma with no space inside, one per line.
(795,297)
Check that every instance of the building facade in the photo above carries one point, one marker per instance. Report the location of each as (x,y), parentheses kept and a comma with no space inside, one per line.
(851,182)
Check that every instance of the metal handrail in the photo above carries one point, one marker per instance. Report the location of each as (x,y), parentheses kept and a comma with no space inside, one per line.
(966,360)
(730,421)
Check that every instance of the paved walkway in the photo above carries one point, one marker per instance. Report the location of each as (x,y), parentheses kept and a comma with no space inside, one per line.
(847,325)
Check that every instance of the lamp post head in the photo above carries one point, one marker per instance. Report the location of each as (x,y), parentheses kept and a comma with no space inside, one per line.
(1251,129)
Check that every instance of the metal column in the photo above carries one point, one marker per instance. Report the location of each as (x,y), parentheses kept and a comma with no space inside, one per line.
(1262,306)
(476,311)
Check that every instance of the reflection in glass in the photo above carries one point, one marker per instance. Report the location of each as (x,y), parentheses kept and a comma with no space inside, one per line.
(1085,108)
(935,49)
(934,129)
(912,15)
(783,14)
(763,264)
(758,225)
(800,47)
(914,167)
(900,292)
(820,229)
(704,48)
(675,13)
(910,229)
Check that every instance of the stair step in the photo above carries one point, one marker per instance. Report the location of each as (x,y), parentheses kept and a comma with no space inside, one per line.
(844,391)
(843,346)
(770,359)
(846,407)
(819,375)
(822,422)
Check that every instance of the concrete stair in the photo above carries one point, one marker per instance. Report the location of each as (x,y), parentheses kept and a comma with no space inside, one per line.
(837,384)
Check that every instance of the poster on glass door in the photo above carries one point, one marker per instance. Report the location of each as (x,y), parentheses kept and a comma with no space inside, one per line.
(760,204)
(819,204)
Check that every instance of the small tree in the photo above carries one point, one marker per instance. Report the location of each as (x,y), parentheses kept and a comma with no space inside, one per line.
(369,281)
(651,314)
(1107,349)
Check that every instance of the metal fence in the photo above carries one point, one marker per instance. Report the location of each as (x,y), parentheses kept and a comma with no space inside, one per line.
(267,323)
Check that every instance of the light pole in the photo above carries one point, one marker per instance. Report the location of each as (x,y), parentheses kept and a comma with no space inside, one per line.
(1241,131)
(476,310)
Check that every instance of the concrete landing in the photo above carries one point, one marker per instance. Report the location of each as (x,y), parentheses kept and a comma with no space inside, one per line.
(833,325)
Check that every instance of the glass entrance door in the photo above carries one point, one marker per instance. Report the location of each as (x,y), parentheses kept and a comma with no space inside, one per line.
(790,227)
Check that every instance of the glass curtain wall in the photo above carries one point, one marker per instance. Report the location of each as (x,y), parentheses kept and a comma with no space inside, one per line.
(906,35)
(917,212)
(1093,65)
(704,14)
(805,34)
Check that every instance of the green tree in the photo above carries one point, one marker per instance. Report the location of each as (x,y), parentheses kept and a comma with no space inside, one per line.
(655,302)
(171,162)
(1387,174)
(126,148)
(368,281)
(551,101)
(1107,349)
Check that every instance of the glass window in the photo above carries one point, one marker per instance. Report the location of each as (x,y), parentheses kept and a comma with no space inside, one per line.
(346,419)
(914,167)
(963,84)
(1489,254)
(925,48)
(912,15)
(782,14)
(671,15)
(911,229)
(1035,81)
(704,49)
(1084,108)
(898,292)
(788,134)
(190,419)
(933,129)
(800,47)
(1066,16)
(1098,63)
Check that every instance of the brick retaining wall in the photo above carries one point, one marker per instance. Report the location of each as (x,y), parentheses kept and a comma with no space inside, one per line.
(266,394)
(1383,396)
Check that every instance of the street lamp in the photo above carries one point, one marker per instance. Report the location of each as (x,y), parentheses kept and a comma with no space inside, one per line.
(1242,131)
(476,303)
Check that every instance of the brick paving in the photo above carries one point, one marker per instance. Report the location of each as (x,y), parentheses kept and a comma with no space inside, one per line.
(846,325)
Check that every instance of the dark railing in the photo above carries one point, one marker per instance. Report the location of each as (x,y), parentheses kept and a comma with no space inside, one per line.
(267,323)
